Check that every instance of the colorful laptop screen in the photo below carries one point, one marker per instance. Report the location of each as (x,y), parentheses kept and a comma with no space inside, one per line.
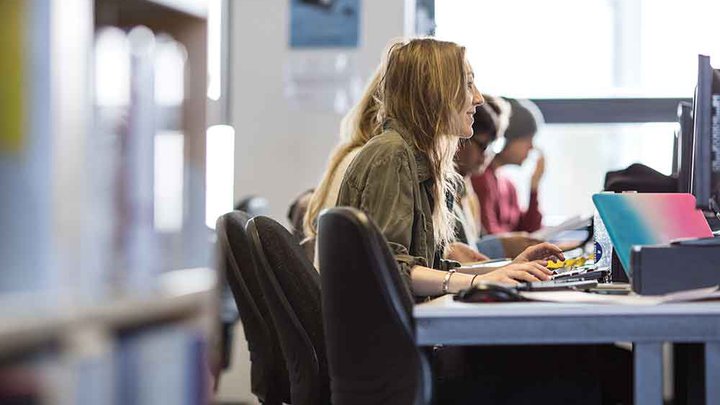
(649,219)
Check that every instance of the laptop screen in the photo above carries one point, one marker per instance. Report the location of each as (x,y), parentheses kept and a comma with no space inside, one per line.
(649,219)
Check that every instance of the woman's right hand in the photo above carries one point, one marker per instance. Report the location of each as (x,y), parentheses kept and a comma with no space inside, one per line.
(515,273)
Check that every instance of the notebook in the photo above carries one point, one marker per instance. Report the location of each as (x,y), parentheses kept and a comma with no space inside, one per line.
(649,219)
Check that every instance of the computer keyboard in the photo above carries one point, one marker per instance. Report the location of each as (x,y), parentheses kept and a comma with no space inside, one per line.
(582,274)
(579,278)
(562,284)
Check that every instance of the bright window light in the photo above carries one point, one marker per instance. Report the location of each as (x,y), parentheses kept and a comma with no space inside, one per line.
(219,172)
(112,68)
(590,48)
(170,58)
(169,150)
(214,36)
(517,54)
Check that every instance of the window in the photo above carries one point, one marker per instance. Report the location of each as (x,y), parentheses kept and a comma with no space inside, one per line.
(589,48)
(578,156)
(566,49)
(518,54)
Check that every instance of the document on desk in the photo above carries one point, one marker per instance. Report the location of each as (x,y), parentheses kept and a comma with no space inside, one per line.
(708,293)
(572,223)
(484,266)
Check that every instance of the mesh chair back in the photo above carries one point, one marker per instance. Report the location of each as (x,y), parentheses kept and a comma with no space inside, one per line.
(268,375)
(292,288)
(367,310)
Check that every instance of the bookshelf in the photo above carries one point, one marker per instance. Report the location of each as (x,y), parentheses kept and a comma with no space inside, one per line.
(22,330)
(98,303)
(190,7)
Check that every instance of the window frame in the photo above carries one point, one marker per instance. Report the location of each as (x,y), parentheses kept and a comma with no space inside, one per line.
(608,110)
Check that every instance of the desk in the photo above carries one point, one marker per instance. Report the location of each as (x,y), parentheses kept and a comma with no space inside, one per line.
(443,321)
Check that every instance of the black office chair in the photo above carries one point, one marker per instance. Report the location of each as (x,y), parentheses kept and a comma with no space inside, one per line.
(229,315)
(268,375)
(367,312)
(292,290)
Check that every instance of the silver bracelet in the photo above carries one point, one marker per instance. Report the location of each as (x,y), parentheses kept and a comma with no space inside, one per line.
(446,281)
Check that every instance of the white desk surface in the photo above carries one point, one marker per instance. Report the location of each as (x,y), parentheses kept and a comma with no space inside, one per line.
(445,307)
(444,321)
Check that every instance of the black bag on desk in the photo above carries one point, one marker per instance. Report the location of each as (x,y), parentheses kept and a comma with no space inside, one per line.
(640,178)
(662,269)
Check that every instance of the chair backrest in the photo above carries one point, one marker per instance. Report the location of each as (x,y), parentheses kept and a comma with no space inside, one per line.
(268,375)
(367,312)
(292,289)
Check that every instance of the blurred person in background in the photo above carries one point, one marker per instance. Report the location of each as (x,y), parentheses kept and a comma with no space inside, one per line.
(499,208)
(473,157)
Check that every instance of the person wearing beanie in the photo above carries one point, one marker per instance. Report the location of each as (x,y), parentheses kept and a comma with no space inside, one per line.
(500,211)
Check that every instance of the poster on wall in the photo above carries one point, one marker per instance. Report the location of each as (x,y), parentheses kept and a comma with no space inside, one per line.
(322,81)
(324,23)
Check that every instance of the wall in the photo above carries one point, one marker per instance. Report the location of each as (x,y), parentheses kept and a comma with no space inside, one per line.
(282,150)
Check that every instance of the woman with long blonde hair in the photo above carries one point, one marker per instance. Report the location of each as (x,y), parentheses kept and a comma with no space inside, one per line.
(360,124)
(404,178)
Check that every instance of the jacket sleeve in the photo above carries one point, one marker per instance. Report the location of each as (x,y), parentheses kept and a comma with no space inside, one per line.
(386,195)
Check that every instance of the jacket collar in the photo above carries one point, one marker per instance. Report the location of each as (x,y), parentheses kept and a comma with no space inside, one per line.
(421,160)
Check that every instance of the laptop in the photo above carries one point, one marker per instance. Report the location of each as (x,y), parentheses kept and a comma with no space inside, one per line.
(649,219)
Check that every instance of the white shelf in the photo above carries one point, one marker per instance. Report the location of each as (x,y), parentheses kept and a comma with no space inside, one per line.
(130,313)
(17,335)
(195,8)
(190,295)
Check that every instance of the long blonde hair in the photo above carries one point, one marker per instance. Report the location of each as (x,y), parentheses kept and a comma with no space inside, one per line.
(423,90)
(357,127)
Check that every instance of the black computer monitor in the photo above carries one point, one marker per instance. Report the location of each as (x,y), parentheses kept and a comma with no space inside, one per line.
(683,149)
(705,183)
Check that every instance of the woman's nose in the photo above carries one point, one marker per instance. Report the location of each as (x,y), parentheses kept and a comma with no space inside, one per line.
(477,97)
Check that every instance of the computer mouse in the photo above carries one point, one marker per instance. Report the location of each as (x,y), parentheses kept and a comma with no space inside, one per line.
(488,292)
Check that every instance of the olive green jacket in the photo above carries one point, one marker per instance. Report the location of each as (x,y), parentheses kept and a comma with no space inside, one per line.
(390,180)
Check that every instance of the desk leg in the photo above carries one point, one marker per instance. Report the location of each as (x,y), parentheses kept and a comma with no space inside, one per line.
(712,373)
(648,374)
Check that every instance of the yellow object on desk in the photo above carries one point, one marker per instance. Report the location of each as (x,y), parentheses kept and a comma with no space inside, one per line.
(574,262)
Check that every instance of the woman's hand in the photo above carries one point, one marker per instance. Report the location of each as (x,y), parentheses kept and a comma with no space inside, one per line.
(515,243)
(463,253)
(540,253)
(517,272)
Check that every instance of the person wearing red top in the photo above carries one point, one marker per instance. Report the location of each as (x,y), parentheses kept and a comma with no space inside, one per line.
(500,211)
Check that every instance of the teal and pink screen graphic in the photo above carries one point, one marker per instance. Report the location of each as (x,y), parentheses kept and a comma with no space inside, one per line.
(649,219)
